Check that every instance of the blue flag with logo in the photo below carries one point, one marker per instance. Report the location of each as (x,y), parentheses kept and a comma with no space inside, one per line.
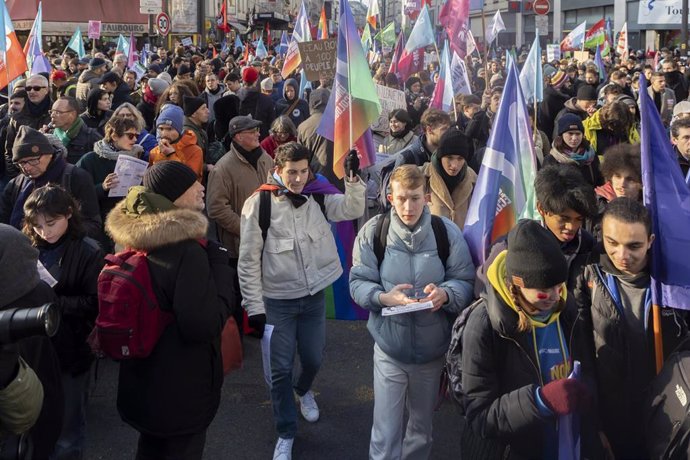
(667,197)
(505,185)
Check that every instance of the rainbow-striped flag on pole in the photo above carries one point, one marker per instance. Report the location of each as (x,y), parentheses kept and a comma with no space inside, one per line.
(354,104)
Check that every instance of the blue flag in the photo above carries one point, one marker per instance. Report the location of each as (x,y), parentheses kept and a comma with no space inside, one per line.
(261,51)
(284,44)
(505,186)
(77,44)
(238,43)
(600,64)
(667,197)
(531,78)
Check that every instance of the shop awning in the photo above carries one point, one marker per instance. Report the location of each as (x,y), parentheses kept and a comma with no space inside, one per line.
(61,17)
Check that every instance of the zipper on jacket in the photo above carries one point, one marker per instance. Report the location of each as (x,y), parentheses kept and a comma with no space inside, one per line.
(541,380)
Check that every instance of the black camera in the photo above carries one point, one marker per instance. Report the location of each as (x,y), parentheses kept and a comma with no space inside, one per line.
(19,323)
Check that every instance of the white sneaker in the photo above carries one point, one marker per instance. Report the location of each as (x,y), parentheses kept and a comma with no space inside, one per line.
(283,450)
(308,407)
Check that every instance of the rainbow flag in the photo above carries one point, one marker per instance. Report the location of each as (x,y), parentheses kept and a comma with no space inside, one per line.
(504,192)
(302,33)
(354,104)
(323,24)
(12,59)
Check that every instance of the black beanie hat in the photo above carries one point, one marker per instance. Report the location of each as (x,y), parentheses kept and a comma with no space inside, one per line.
(169,178)
(191,104)
(569,122)
(586,93)
(30,143)
(455,142)
(534,258)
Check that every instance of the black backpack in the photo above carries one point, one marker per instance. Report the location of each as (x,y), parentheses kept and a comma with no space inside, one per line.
(381,237)
(265,209)
(667,409)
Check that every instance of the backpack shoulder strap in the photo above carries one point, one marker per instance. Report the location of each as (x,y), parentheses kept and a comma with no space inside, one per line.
(320,198)
(381,236)
(441,235)
(264,212)
(67,178)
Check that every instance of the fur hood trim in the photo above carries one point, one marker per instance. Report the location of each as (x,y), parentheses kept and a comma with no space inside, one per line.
(147,232)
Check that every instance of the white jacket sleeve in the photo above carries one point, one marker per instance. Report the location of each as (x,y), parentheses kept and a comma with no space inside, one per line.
(249,264)
(349,206)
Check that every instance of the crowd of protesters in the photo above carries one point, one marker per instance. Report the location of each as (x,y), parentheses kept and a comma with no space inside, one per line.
(235,156)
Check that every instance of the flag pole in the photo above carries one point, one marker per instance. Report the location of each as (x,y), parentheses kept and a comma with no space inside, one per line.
(486,53)
(658,339)
(349,83)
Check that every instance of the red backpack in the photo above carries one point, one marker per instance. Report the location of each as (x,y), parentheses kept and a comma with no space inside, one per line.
(129,321)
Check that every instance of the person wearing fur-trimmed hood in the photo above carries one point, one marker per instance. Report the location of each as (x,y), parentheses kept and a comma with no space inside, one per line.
(172,396)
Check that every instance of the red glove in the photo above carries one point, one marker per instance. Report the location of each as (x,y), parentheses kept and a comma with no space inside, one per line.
(564,396)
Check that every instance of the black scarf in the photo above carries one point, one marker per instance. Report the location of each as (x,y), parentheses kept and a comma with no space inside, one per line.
(451,181)
(53,175)
(639,280)
(40,109)
(401,134)
(252,156)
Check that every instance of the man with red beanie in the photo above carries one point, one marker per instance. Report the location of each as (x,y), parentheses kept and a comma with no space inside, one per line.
(61,85)
(253,103)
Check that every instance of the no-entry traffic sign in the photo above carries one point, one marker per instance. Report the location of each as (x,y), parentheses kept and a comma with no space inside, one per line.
(541,7)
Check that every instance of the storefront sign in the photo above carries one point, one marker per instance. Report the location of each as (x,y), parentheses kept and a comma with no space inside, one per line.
(659,12)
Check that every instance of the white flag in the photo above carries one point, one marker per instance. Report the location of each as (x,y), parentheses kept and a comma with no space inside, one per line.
(458,72)
(471,44)
(622,46)
(497,26)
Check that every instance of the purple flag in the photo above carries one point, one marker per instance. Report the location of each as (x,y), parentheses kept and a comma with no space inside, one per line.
(667,197)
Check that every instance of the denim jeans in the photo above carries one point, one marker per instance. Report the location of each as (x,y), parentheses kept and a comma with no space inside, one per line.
(297,324)
(70,445)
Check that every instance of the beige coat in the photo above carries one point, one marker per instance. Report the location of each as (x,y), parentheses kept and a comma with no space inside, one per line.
(230,183)
(443,203)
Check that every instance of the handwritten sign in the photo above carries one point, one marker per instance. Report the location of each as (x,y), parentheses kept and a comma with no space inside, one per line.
(390,99)
(318,58)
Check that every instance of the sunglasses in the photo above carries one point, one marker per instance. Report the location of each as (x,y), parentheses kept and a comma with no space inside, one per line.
(35,88)
(131,136)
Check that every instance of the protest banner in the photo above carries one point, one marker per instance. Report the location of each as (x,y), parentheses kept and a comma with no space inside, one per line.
(318,58)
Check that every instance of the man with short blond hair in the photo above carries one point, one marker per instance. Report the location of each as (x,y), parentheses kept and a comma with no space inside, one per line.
(409,348)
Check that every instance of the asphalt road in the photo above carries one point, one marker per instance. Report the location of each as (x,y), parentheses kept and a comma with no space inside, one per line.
(243,427)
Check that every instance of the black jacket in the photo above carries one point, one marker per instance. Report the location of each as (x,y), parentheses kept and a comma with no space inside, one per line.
(148,111)
(82,143)
(121,95)
(553,103)
(77,275)
(259,106)
(176,390)
(95,122)
(676,81)
(624,363)
(501,375)
(478,128)
(77,181)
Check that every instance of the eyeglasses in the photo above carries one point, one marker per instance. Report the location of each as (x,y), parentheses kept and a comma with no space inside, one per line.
(28,162)
(35,88)
(60,112)
(131,136)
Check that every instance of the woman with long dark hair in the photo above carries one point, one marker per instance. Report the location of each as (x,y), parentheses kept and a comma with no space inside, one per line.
(401,134)
(52,221)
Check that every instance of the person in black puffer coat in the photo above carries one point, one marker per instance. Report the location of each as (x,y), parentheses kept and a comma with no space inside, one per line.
(53,223)
(520,342)
(172,395)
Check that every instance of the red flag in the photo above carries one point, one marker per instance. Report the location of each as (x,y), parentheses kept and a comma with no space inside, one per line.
(268,33)
(215,53)
(454,17)
(222,19)
(397,54)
